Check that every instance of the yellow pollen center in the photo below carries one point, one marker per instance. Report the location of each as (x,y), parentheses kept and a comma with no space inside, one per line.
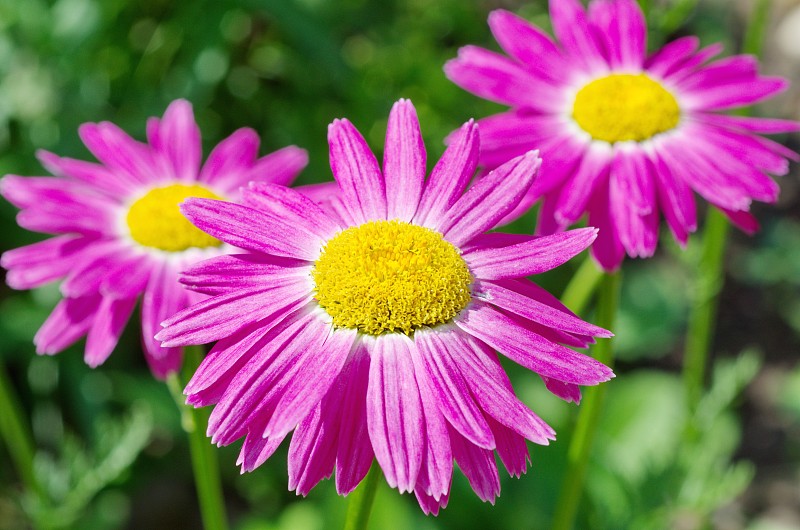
(390,276)
(622,107)
(156,221)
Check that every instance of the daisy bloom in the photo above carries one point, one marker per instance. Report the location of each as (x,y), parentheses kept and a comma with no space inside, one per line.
(118,230)
(371,330)
(625,137)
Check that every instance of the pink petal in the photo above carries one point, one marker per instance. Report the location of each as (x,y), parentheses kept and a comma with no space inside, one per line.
(112,315)
(163,297)
(93,174)
(511,448)
(537,255)
(354,454)
(280,167)
(217,317)
(404,160)
(450,176)
(68,322)
(128,159)
(497,78)
(34,265)
(356,170)
(621,26)
(501,294)
(572,29)
(489,199)
(478,466)
(450,390)
(394,412)
(231,160)
(529,349)
(227,273)
(527,44)
(180,137)
(251,229)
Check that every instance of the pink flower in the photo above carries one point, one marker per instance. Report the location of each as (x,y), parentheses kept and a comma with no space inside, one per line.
(119,232)
(371,331)
(624,136)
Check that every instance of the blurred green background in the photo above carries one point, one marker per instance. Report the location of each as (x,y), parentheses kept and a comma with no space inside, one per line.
(111,449)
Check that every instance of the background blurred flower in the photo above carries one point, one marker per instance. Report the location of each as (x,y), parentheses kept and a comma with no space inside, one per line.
(624,136)
(372,329)
(119,233)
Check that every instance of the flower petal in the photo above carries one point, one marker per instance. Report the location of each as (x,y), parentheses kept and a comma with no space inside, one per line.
(404,161)
(356,170)
(394,412)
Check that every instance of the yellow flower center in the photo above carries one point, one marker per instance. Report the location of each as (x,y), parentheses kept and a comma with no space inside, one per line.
(623,107)
(156,221)
(391,276)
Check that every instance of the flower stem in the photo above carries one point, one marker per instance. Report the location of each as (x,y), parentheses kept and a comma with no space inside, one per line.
(710,276)
(703,313)
(580,446)
(204,457)
(582,286)
(16,434)
(360,505)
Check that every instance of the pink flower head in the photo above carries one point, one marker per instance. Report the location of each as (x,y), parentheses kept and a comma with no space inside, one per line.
(371,330)
(624,136)
(118,230)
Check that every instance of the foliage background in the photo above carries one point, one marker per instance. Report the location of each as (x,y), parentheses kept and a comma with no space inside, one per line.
(111,449)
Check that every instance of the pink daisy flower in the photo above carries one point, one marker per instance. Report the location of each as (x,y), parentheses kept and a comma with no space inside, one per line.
(371,330)
(625,137)
(119,232)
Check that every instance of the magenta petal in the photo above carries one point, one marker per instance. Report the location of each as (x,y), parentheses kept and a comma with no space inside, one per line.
(502,294)
(577,191)
(529,349)
(450,176)
(354,454)
(566,391)
(280,167)
(537,255)
(489,199)
(745,221)
(34,265)
(478,466)
(394,412)
(231,160)
(428,504)
(451,392)
(404,161)
(93,174)
(217,317)
(252,229)
(256,450)
(436,469)
(527,44)
(671,54)
(68,322)
(257,386)
(112,315)
(290,205)
(511,448)
(227,273)
(129,278)
(749,124)
(163,297)
(180,137)
(356,170)
(676,201)
(572,29)
(312,452)
(493,392)
(497,78)
(128,159)
(632,200)
(621,26)
(301,394)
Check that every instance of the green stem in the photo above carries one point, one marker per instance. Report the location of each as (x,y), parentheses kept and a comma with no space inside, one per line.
(360,505)
(589,416)
(703,313)
(204,456)
(710,276)
(581,287)
(16,434)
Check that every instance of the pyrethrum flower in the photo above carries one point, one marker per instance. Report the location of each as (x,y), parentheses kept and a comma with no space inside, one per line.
(119,232)
(624,136)
(371,332)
